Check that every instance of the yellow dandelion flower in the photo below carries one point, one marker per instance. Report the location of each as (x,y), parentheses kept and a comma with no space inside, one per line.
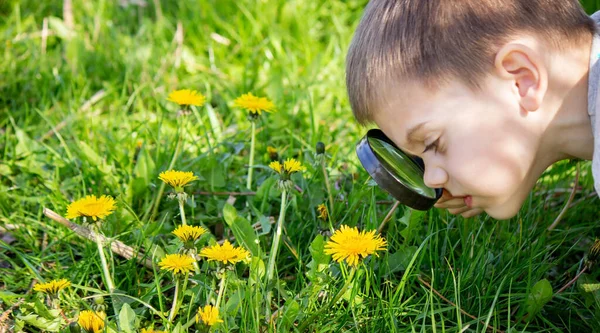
(187,97)
(254,105)
(350,244)
(291,165)
(322,209)
(52,287)
(91,321)
(276,166)
(177,179)
(91,206)
(224,253)
(209,315)
(189,233)
(177,263)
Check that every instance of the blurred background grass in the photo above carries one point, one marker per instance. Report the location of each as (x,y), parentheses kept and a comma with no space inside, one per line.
(83,110)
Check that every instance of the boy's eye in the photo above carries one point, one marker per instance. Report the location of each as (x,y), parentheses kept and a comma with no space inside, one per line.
(433,145)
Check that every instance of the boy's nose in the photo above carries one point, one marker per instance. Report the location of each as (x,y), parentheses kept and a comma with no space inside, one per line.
(435,177)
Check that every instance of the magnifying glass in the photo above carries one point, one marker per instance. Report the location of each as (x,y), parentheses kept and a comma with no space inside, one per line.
(400,174)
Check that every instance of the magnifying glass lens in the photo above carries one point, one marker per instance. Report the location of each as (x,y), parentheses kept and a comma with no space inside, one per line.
(402,167)
(398,173)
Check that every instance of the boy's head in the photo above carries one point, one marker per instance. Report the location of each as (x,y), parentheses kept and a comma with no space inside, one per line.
(471,73)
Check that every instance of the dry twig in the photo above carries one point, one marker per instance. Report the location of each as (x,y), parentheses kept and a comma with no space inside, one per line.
(116,246)
(388,217)
(568,203)
(5,314)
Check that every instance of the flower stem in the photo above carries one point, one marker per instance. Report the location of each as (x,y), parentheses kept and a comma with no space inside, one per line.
(55,302)
(275,245)
(221,289)
(251,162)
(275,249)
(196,267)
(174,306)
(182,212)
(161,189)
(335,299)
(109,282)
(329,193)
(184,222)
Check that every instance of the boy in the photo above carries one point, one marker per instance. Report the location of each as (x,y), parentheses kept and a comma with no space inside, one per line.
(489,93)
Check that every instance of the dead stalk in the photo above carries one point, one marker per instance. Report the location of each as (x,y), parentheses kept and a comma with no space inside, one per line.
(116,246)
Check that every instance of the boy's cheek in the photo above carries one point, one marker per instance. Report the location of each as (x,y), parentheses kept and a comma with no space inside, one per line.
(503,212)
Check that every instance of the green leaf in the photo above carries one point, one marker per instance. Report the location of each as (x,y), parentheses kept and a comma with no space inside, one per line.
(5,170)
(90,154)
(590,287)
(399,260)
(178,329)
(539,295)
(265,224)
(320,260)
(126,318)
(591,298)
(317,250)
(257,271)
(41,310)
(144,171)
(267,190)
(291,310)
(41,322)
(25,145)
(233,304)
(229,213)
(5,296)
(413,219)
(242,229)
(215,176)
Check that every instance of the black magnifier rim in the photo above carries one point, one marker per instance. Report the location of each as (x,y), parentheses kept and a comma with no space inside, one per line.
(379,171)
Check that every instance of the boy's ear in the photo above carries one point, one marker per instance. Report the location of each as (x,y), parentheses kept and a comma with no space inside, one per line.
(525,67)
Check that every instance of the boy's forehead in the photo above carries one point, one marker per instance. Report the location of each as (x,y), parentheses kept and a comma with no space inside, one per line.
(402,102)
(410,99)
(402,125)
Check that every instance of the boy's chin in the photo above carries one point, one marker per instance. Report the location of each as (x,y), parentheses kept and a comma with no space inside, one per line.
(502,212)
(505,207)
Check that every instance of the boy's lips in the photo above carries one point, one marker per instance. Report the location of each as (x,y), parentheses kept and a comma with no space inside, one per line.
(468,201)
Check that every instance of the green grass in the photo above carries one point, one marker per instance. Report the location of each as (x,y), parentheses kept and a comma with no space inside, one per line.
(84,111)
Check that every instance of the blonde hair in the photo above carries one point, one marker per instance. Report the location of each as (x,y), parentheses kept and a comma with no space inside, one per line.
(433,41)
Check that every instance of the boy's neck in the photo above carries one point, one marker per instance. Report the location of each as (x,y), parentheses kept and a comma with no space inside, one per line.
(568,132)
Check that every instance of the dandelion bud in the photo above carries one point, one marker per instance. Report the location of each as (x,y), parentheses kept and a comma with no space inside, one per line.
(273,155)
(593,253)
(74,328)
(320,148)
(322,210)
(182,196)
(285,184)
